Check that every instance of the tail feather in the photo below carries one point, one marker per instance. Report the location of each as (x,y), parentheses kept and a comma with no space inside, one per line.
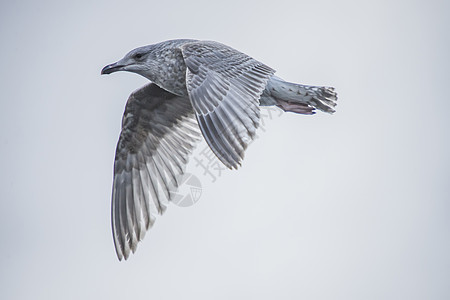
(300,98)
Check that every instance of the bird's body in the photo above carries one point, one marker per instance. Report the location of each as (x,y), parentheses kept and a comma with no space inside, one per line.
(204,81)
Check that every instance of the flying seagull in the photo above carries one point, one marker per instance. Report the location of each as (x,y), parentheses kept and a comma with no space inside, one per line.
(195,86)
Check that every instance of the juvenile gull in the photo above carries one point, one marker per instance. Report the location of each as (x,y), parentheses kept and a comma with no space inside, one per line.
(193,82)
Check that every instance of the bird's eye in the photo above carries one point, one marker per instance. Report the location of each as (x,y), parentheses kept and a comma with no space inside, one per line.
(138,55)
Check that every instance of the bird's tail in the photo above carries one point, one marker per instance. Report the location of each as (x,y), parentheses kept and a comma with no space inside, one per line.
(302,99)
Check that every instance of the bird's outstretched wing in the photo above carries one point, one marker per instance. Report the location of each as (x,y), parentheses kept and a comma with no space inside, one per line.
(159,132)
(224,87)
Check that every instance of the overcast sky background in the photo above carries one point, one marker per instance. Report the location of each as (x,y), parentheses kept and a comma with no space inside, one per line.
(353,205)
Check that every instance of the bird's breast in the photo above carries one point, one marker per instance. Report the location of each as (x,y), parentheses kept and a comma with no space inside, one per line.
(171,73)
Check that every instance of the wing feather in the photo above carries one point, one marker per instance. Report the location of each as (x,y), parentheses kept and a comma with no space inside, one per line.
(158,134)
(224,86)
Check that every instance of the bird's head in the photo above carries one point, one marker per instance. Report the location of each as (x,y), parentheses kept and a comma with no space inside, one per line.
(138,61)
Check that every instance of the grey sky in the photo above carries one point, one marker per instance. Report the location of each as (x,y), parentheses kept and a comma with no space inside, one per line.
(349,206)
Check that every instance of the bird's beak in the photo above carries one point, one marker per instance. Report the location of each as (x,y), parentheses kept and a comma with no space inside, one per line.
(112,68)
